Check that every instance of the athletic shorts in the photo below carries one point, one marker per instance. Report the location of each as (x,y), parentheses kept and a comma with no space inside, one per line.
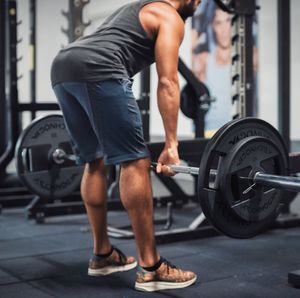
(103,120)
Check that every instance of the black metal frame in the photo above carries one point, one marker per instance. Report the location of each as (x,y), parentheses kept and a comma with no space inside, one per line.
(242,41)
(3,120)
(32,45)
(12,193)
(284,68)
(10,100)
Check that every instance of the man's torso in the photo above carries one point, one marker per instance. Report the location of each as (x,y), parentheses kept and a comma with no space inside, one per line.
(119,48)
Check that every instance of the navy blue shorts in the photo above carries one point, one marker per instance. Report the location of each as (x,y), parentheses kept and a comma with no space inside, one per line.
(103,120)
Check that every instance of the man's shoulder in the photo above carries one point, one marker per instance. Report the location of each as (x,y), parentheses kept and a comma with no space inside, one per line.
(161,9)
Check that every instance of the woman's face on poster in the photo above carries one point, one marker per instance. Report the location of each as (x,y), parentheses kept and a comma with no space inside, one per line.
(222,28)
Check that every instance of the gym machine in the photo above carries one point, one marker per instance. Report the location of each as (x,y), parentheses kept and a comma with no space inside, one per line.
(12,193)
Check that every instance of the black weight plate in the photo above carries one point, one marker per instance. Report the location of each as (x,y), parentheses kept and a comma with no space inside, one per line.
(33,158)
(247,157)
(212,202)
(188,102)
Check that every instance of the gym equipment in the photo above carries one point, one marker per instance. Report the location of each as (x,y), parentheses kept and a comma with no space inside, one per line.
(75,19)
(243,99)
(190,102)
(242,170)
(195,98)
(42,160)
(294,278)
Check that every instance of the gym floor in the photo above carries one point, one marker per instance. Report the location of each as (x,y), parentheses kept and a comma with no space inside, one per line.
(50,260)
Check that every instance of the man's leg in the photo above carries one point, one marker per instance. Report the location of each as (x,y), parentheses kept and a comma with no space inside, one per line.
(136,196)
(73,99)
(94,194)
(106,259)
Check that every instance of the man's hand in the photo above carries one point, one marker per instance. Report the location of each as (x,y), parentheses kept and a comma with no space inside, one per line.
(169,156)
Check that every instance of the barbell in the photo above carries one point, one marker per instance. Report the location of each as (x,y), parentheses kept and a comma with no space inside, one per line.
(243,170)
(280,182)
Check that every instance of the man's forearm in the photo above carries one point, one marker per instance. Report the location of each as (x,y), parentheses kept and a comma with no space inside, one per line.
(168,104)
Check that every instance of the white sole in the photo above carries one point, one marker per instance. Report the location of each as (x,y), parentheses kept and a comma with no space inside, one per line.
(111,269)
(163,285)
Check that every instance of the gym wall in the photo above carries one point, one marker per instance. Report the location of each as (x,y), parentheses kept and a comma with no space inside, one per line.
(50,39)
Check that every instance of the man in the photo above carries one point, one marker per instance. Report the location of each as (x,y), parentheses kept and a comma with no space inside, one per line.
(92,81)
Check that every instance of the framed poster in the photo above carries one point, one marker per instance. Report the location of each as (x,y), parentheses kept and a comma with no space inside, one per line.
(211,60)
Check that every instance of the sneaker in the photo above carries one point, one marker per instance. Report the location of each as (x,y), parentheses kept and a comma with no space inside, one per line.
(116,262)
(167,276)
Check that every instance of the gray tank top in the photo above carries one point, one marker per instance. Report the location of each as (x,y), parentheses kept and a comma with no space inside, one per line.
(118,49)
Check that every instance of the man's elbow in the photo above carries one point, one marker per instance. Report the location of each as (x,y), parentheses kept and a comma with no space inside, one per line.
(170,85)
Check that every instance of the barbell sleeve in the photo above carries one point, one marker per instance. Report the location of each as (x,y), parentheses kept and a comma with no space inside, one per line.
(59,156)
(280,182)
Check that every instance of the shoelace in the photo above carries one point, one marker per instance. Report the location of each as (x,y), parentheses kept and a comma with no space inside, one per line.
(169,264)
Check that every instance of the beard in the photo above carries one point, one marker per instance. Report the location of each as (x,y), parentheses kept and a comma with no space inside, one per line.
(187,11)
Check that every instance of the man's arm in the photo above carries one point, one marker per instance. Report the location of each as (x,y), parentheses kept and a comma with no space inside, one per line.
(165,23)
(169,38)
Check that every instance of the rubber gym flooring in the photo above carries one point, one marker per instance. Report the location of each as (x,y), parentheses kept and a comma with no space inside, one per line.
(50,260)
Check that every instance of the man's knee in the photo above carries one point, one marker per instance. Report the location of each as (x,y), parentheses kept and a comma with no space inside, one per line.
(96,166)
(135,185)
(138,164)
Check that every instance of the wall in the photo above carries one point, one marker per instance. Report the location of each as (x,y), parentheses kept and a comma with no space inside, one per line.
(268,55)
(295,69)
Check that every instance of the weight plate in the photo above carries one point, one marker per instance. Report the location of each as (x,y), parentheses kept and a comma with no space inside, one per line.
(34,164)
(247,157)
(188,101)
(210,195)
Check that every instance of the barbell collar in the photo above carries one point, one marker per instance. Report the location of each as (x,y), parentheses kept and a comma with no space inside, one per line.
(279,182)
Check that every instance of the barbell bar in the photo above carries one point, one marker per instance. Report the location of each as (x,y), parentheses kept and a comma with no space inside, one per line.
(288,183)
